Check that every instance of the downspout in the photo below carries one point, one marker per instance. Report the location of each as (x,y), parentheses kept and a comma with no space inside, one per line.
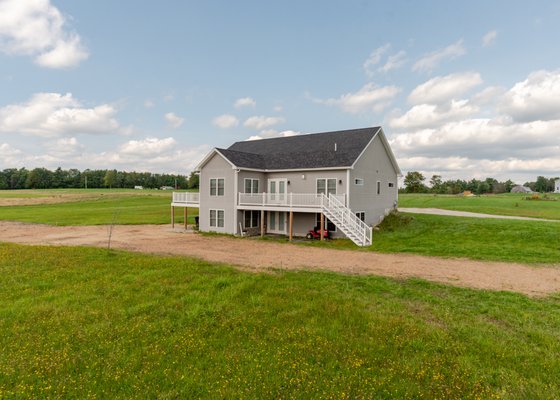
(347,188)
(235,197)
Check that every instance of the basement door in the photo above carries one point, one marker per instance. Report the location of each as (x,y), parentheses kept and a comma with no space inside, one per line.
(277,222)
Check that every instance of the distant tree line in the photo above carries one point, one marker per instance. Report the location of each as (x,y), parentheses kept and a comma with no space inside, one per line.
(42,178)
(414,183)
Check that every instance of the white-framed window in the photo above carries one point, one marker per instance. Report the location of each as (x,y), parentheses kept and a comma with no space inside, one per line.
(330,226)
(361,215)
(217,186)
(378,187)
(391,184)
(216,218)
(252,218)
(326,186)
(251,185)
(359,182)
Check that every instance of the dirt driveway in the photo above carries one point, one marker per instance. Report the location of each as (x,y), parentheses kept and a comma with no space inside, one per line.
(255,255)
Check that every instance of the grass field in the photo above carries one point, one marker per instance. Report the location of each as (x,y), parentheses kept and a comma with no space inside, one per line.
(95,207)
(84,323)
(31,193)
(532,242)
(496,240)
(503,204)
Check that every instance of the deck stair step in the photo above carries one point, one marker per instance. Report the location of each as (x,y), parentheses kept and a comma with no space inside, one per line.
(344,219)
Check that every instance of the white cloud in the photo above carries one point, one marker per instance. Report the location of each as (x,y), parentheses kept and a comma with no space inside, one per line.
(278,108)
(54,114)
(37,28)
(148,147)
(174,121)
(150,154)
(262,122)
(10,157)
(374,59)
(520,170)
(244,102)
(394,61)
(64,147)
(368,98)
(271,133)
(226,121)
(489,95)
(443,88)
(489,38)
(535,98)
(149,103)
(7,151)
(519,140)
(430,61)
(431,115)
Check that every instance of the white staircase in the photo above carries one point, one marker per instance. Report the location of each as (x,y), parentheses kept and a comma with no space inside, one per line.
(345,220)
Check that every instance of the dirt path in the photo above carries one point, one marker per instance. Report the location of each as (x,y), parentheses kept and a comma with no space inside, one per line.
(453,213)
(250,254)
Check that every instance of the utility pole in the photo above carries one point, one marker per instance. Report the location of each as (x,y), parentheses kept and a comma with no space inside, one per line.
(86,181)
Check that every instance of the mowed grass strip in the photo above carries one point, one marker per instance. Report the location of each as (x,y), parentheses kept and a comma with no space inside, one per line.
(503,204)
(82,322)
(106,208)
(27,193)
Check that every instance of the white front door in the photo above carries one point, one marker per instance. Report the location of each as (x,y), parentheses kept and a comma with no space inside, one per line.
(277,221)
(277,191)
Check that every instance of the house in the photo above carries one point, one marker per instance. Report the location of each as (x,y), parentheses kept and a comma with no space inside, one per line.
(557,186)
(521,189)
(344,180)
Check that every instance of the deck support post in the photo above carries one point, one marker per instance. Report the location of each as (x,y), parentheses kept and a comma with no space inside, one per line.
(291,224)
(185,215)
(322,227)
(262,223)
(172,216)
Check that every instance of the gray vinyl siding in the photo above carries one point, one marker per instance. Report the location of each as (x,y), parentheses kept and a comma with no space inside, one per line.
(251,175)
(374,165)
(217,167)
(303,222)
(309,184)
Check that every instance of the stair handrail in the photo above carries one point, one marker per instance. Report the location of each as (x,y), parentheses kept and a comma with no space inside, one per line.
(332,204)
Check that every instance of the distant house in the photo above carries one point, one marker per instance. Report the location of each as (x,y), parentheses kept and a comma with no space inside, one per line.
(345,179)
(138,187)
(557,186)
(521,189)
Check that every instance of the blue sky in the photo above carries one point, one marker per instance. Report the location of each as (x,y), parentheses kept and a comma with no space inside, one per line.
(463,89)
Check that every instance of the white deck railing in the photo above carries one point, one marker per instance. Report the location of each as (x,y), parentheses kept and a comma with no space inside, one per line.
(186,197)
(288,200)
(334,207)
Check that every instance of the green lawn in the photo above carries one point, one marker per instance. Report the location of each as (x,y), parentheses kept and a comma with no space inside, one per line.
(84,323)
(98,207)
(31,193)
(532,242)
(483,239)
(503,204)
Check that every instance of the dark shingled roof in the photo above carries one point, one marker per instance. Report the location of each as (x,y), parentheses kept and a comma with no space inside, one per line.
(303,151)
